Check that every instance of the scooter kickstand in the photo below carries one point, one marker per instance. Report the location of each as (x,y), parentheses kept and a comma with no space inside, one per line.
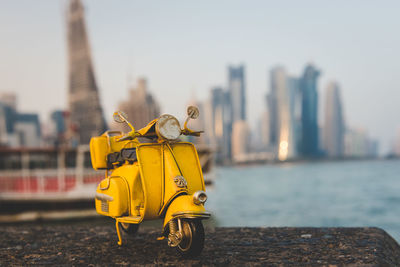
(118,233)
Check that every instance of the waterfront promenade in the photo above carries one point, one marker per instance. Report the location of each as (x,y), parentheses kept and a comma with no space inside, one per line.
(97,246)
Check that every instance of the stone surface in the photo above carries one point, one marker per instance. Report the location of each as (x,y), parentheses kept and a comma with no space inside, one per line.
(97,246)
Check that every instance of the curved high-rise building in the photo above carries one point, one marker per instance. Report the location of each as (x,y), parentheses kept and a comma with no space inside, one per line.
(309,112)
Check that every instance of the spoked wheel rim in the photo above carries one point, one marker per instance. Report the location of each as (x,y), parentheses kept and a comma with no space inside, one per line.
(129,228)
(192,238)
(125,226)
(187,240)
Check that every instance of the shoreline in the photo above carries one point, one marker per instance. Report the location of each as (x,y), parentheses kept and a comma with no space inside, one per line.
(304,160)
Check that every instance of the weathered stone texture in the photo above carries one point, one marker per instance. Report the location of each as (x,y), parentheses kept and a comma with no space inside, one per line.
(97,246)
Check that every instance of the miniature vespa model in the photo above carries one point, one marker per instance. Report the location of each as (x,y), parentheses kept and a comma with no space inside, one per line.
(147,181)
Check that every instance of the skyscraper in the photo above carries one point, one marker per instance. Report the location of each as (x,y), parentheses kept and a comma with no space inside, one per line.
(309,112)
(18,129)
(141,107)
(221,124)
(293,84)
(334,128)
(237,96)
(284,106)
(84,104)
(240,140)
(237,89)
(264,129)
(273,112)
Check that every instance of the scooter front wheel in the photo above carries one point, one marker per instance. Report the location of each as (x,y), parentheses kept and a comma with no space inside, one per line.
(192,238)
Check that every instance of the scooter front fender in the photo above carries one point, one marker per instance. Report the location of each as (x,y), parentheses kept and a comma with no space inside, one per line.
(184,207)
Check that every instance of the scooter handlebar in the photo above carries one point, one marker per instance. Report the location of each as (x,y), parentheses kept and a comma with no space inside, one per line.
(128,136)
(192,133)
(123,138)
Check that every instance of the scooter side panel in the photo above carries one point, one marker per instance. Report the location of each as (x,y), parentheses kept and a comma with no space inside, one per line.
(112,197)
(189,164)
(150,163)
(131,173)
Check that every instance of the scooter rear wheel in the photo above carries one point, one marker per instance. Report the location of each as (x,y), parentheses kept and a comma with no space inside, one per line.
(129,228)
(193,238)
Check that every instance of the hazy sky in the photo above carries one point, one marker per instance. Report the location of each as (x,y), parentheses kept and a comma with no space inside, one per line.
(184,47)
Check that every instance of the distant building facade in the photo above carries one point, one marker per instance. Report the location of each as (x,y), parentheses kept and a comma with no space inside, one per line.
(284,105)
(240,140)
(237,89)
(295,98)
(84,102)
(140,106)
(272,107)
(18,129)
(265,130)
(309,112)
(357,144)
(222,110)
(237,99)
(9,99)
(218,124)
(334,126)
(58,132)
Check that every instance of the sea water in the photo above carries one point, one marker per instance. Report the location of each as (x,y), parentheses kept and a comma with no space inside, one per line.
(319,194)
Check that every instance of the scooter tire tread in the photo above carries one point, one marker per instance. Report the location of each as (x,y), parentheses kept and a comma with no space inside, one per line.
(131,229)
(197,245)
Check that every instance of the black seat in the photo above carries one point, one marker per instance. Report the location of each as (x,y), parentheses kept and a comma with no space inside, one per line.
(128,154)
(118,158)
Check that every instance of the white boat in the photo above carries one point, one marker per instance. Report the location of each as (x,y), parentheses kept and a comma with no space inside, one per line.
(46,183)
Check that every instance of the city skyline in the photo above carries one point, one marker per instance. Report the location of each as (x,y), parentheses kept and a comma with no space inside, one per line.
(365,66)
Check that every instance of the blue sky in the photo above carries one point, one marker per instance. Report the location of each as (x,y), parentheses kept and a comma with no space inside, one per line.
(184,47)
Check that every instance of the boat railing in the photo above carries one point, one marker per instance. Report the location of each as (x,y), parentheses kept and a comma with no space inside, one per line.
(40,172)
(46,181)
(46,171)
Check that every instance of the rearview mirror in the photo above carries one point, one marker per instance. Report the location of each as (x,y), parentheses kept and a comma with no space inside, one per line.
(120,117)
(193,112)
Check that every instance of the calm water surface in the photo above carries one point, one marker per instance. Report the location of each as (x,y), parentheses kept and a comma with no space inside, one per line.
(349,193)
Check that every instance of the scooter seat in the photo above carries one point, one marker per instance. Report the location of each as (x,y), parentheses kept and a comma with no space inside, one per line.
(118,158)
(128,154)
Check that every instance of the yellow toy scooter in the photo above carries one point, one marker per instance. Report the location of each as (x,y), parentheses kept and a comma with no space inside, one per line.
(146,181)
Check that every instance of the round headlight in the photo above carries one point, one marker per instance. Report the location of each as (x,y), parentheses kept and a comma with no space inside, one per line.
(168,127)
(199,197)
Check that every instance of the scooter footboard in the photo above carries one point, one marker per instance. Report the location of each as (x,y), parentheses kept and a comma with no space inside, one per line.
(184,207)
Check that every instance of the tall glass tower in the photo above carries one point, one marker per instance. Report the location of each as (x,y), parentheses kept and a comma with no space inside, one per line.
(221,124)
(309,112)
(284,105)
(334,128)
(237,91)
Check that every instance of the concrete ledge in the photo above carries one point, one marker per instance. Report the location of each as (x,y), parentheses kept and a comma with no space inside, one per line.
(97,245)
